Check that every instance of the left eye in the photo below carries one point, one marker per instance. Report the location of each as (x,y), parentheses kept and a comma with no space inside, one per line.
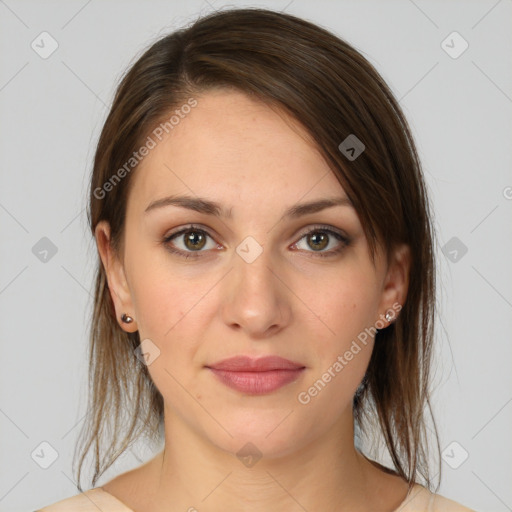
(194,240)
(320,238)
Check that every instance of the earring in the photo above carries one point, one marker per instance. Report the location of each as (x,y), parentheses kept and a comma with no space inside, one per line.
(126,319)
(389,318)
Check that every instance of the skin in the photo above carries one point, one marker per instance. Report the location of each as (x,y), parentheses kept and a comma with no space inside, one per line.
(289,301)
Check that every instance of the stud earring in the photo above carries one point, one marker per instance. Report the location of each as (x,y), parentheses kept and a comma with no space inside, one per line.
(126,319)
(389,317)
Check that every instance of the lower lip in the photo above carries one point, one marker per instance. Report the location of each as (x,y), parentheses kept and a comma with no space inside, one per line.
(257,383)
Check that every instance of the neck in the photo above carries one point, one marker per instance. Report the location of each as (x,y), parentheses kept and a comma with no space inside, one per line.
(324,473)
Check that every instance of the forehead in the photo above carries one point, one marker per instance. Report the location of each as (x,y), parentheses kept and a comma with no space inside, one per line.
(234,148)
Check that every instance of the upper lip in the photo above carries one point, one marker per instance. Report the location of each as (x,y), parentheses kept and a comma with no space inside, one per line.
(250,364)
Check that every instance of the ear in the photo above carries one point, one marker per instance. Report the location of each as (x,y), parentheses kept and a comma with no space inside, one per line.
(116,278)
(396,283)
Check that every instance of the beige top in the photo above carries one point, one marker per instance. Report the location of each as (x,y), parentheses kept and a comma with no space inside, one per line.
(419,499)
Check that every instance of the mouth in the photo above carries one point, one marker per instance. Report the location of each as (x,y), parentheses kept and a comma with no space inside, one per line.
(256,376)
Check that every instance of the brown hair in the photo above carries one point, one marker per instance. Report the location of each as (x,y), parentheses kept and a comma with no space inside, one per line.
(329,87)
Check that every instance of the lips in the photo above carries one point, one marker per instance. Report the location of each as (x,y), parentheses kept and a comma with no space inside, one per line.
(248,364)
(256,376)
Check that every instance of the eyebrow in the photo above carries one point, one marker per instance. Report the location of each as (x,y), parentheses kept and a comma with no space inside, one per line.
(209,207)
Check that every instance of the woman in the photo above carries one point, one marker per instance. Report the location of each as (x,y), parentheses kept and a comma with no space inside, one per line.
(265,287)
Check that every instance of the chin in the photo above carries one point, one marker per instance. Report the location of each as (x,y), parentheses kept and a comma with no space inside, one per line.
(261,435)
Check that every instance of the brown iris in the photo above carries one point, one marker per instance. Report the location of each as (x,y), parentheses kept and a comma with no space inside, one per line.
(319,239)
(194,240)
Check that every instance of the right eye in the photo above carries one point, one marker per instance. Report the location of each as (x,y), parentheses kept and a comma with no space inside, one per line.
(191,239)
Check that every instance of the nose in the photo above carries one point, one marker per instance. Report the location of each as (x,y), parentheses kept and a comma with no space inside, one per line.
(255,299)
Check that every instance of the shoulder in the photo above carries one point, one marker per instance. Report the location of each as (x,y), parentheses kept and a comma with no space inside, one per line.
(420,499)
(88,501)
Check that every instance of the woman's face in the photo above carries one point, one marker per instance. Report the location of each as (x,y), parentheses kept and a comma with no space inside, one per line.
(249,281)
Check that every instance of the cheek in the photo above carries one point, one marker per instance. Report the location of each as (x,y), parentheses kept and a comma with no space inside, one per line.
(343,347)
(169,314)
(174,310)
(165,312)
(341,306)
(344,310)
(163,297)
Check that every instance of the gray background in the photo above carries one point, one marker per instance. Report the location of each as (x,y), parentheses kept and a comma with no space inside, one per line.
(51,112)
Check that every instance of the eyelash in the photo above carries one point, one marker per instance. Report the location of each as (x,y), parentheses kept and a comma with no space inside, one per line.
(345,242)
